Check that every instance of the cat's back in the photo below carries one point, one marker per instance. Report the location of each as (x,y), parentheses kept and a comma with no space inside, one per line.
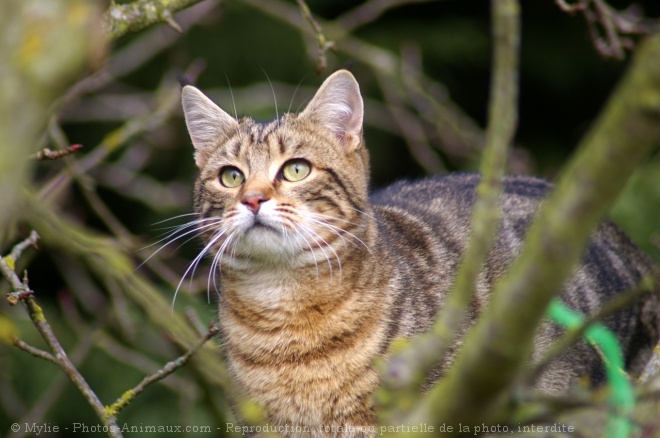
(426,225)
(451,197)
(444,204)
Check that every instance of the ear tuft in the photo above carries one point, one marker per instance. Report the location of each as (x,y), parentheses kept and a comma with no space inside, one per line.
(206,122)
(338,107)
(183,80)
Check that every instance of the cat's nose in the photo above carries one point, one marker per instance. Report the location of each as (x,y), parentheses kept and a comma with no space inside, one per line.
(253,202)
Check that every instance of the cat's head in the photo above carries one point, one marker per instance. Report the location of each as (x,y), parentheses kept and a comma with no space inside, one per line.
(294,189)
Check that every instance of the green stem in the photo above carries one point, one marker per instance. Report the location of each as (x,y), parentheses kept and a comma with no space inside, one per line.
(621,395)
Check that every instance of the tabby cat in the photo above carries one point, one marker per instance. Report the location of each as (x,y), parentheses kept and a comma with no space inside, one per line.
(317,278)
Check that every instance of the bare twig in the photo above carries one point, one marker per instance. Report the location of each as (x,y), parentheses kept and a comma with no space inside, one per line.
(168,369)
(608,26)
(411,128)
(653,366)
(18,249)
(120,136)
(425,351)
(59,355)
(36,352)
(171,22)
(53,394)
(647,285)
(324,43)
(48,154)
(370,11)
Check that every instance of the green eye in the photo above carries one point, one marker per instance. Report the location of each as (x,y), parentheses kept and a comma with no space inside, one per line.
(296,170)
(231,177)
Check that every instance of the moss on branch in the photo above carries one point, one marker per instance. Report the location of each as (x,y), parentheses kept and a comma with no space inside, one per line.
(425,351)
(622,137)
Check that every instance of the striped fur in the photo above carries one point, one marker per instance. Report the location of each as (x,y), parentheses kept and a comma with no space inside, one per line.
(317,278)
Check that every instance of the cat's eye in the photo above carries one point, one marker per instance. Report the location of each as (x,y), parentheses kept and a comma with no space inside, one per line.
(231,177)
(296,170)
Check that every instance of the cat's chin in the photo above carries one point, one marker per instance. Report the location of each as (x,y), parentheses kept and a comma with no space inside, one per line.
(265,243)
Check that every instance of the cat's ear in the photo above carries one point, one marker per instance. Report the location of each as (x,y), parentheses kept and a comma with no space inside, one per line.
(206,121)
(338,108)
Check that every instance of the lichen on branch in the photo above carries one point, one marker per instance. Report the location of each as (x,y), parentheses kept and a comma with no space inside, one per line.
(122,19)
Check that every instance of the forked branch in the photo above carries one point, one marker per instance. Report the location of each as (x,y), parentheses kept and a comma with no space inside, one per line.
(21,292)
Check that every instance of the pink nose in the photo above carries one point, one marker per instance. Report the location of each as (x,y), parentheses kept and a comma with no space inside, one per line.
(253,202)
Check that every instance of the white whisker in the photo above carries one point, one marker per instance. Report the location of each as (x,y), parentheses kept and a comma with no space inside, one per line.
(296,226)
(277,114)
(338,231)
(195,262)
(365,214)
(217,262)
(174,217)
(312,234)
(173,236)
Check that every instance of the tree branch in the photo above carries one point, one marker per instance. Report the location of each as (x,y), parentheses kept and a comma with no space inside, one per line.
(111,263)
(370,11)
(425,351)
(36,352)
(59,356)
(624,134)
(324,43)
(122,19)
(48,154)
(168,369)
(455,128)
(647,285)
(48,50)
(607,26)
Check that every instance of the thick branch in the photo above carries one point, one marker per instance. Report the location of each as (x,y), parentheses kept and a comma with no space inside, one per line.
(121,19)
(426,351)
(41,54)
(498,346)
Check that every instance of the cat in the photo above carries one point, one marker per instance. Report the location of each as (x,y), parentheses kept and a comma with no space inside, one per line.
(317,278)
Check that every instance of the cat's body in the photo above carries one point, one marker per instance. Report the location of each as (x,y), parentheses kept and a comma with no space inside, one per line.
(317,279)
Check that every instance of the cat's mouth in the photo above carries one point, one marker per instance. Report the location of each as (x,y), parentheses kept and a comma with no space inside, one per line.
(259,225)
